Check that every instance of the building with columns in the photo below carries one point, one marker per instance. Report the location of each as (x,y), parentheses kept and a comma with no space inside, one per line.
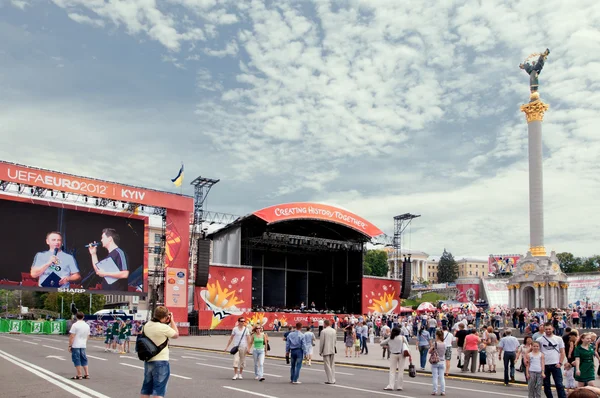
(418,268)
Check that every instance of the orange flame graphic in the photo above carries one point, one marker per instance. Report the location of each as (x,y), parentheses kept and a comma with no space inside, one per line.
(221,298)
(384,304)
(257,318)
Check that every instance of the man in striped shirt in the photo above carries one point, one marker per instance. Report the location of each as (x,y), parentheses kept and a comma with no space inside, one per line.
(110,241)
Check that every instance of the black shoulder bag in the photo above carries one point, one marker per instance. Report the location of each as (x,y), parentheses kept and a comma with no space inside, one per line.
(146,349)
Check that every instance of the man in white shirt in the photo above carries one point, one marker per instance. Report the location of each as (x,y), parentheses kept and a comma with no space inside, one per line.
(239,337)
(78,335)
(553,348)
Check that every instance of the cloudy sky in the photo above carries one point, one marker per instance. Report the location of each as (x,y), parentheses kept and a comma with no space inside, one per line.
(381,107)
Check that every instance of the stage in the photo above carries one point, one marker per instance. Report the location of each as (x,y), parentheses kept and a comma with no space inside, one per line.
(281,256)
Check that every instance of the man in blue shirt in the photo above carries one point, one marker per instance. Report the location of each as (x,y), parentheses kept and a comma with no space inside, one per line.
(55,261)
(296,346)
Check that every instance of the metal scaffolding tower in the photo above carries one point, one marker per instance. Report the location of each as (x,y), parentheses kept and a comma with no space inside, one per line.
(202,187)
(400,223)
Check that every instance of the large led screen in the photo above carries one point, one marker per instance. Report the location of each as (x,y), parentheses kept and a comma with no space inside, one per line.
(56,249)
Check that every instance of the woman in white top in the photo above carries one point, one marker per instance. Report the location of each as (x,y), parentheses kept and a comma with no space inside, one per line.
(397,344)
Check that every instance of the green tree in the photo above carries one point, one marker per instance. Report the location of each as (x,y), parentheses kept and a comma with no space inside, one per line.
(81,300)
(569,263)
(447,268)
(375,263)
(590,264)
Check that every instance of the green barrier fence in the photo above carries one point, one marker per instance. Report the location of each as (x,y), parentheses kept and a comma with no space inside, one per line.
(32,327)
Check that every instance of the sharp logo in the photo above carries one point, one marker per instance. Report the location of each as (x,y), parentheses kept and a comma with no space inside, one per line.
(66,290)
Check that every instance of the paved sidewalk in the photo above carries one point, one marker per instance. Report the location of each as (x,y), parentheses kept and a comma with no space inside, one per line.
(373,359)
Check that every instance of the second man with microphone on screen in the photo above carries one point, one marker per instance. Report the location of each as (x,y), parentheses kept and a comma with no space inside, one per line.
(113,269)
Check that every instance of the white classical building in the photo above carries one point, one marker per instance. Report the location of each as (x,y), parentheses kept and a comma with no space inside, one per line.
(418,261)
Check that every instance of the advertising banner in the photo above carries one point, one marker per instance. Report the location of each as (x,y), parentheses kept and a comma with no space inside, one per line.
(317,211)
(176,287)
(92,187)
(502,263)
(380,295)
(468,291)
(228,294)
(264,318)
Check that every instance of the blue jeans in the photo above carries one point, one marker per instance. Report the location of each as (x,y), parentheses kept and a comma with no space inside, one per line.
(363,345)
(509,365)
(78,357)
(437,372)
(259,362)
(588,322)
(296,363)
(558,381)
(156,377)
(521,327)
(423,355)
(432,332)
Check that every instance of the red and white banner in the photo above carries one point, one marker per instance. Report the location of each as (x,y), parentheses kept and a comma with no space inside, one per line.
(92,187)
(467,292)
(206,319)
(380,295)
(317,211)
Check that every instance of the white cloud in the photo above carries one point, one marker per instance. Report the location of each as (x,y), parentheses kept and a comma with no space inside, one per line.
(84,19)
(391,106)
(21,4)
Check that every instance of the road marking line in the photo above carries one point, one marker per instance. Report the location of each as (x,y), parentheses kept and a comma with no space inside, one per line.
(77,393)
(129,358)
(12,338)
(229,368)
(57,377)
(371,391)
(30,342)
(250,392)
(468,389)
(266,364)
(91,356)
(54,348)
(141,367)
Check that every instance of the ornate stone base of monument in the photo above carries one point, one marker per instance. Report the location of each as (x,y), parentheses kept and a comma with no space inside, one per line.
(538,282)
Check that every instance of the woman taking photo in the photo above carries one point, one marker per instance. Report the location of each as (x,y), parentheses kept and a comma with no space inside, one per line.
(396,344)
(258,342)
(436,358)
(584,361)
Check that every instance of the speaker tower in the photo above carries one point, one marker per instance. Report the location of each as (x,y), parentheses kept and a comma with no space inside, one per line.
(202,262)
(406,278)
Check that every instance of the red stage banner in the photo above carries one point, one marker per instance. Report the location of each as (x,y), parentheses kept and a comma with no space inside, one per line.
(93,187)
(467,291)
(227,295)
(502,263)
(317,211)
(206,319)
(380,295)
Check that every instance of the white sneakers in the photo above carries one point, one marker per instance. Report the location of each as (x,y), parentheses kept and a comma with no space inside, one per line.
(235,377)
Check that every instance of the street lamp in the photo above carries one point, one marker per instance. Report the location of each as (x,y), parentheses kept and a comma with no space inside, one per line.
(541,298)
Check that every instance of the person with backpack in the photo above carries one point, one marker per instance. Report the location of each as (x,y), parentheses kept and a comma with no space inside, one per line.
(436,359)
(159,330)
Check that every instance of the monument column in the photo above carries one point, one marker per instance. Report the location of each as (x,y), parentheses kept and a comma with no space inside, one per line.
(534,112)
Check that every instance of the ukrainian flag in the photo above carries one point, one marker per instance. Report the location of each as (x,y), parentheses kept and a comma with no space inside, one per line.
(179,179)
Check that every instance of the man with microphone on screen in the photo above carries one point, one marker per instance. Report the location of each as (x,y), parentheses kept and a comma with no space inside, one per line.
(53,267)
(113,269)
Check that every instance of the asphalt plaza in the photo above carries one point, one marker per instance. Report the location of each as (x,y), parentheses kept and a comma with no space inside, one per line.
(34,364)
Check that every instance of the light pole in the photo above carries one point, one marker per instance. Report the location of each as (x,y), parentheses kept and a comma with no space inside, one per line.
(541,298)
